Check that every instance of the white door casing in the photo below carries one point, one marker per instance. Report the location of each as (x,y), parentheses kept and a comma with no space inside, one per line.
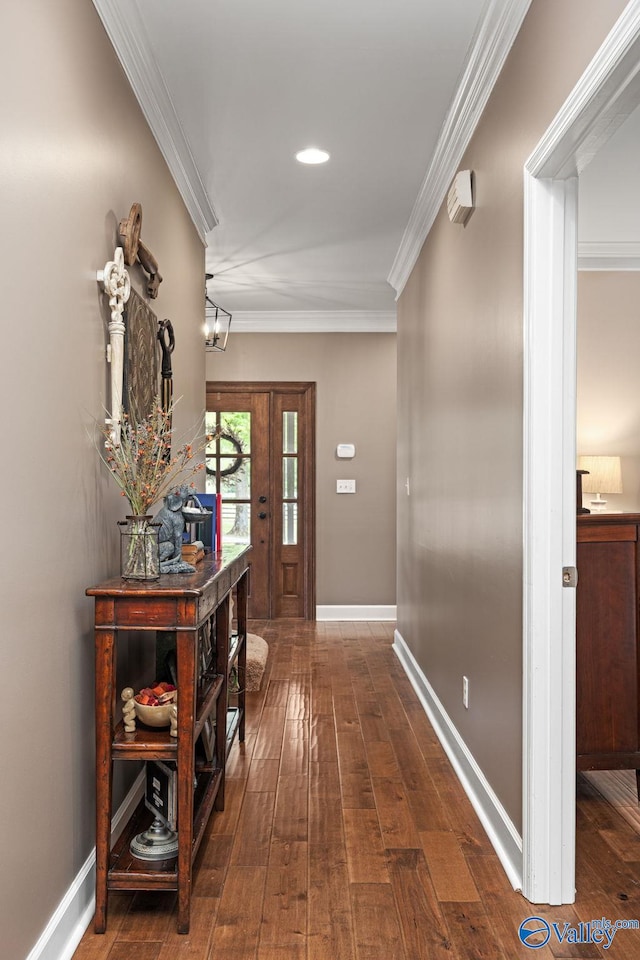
(606,94)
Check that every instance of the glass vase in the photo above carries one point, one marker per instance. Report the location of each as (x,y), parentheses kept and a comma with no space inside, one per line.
(139,549)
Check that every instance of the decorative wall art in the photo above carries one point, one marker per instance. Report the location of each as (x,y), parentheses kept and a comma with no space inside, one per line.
(134,249)
(167,341)
(141,358)
(134,331)
(117,285)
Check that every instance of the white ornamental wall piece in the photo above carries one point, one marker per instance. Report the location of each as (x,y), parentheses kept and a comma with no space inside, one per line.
(117,285)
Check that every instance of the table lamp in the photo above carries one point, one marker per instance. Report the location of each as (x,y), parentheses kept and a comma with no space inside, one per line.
(603,475)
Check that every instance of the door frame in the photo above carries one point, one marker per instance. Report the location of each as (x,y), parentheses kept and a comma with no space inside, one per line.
(605,95)
(307,389)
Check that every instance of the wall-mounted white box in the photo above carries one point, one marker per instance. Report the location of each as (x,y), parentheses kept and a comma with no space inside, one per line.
(346,451)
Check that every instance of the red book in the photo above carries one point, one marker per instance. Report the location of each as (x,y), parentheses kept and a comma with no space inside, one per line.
(219,523)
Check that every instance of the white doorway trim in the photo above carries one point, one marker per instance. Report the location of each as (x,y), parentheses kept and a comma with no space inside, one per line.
(605,95)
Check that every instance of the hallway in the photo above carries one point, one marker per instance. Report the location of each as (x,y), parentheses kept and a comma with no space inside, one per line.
(346,835)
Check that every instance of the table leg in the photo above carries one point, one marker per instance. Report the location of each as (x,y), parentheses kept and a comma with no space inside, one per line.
(105,708)
(242,593)
(186,648)
(223,630)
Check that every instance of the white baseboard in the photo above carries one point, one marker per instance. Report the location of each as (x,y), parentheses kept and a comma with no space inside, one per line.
(61,936)
(498,826)
(356,612)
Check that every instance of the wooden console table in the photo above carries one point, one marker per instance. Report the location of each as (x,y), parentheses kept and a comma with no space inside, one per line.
(191,609)
(607,642)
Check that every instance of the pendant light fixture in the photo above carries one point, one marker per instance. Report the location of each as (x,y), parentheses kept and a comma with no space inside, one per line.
(217,322)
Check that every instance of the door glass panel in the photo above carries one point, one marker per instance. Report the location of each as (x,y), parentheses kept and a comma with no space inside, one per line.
(289,523)
(290,478)
(290,431)
(210,485)
(235,480)
(210,423)
(236,432)
(236,527)
(228,457)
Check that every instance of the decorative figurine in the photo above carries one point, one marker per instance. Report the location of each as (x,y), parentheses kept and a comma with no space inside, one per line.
(166,339)
(173,720)
(128,710)
(172,524)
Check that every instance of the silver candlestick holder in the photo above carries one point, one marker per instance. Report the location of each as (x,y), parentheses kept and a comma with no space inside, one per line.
(156,843)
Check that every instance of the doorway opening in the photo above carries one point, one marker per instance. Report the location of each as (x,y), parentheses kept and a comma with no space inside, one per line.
(607,93)
(263,465)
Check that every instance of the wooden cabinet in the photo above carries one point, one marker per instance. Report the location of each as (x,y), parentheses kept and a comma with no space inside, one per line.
(192,612)
(607,635)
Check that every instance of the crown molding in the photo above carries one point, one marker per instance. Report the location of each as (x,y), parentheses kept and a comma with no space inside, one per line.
(314,321)
(583,124)
(609,255)
(493,40)
(128,36)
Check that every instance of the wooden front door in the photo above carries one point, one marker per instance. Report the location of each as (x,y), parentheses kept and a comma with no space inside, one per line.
(263,465)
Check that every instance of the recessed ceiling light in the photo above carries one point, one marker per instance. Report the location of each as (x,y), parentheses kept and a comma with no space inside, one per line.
(312,155)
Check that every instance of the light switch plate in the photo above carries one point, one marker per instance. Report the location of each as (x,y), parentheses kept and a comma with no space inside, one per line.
(345,486)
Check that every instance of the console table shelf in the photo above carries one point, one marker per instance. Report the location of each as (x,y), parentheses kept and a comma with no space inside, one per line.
(192,611)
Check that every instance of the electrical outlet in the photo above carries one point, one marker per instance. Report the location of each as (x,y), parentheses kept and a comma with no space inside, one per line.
(465,692)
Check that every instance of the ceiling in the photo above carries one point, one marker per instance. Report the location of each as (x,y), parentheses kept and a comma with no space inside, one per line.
(233,88)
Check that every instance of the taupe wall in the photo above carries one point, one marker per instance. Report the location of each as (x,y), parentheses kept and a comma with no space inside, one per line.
(355,403)
(75,153)
(608,411)
(460,358)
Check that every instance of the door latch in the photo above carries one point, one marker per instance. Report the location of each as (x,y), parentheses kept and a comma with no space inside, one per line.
(569,577)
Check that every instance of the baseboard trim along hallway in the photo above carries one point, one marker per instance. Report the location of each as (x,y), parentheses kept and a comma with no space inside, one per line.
(355,612)
(64,931)
(501,831)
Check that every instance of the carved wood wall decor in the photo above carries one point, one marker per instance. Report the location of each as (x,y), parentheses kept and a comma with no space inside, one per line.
(150,264)
(130,230)
(141,369)
(130,234)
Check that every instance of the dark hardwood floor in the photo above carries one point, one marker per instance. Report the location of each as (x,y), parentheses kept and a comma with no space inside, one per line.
(346,835)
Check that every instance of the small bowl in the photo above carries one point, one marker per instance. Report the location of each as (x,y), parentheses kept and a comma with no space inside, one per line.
(159,716)
(194,515)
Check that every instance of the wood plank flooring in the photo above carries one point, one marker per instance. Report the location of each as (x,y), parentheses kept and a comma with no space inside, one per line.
(346,835)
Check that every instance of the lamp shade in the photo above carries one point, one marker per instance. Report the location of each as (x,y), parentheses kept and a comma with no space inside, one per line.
(604,474)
